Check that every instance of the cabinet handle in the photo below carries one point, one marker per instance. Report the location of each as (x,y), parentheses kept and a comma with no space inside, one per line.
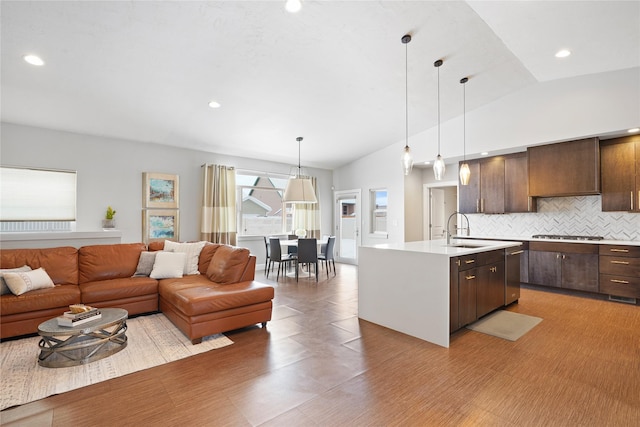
(564,257)
(478,206)
(469,261)
(620,262)
(482,205)
(632,199)
(493,269)
(458,262)
(470,277)
(624,282)
(516,253)
(557,256)
(619,250)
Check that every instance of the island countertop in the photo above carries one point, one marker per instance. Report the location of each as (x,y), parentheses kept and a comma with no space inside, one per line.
(440,247)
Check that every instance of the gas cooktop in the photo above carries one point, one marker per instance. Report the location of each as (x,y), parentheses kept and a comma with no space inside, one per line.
(565,237)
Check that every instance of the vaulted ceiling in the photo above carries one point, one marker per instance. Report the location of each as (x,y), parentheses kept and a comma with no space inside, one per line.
(333,73)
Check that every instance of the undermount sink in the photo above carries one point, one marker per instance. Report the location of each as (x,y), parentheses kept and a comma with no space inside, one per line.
(465,245)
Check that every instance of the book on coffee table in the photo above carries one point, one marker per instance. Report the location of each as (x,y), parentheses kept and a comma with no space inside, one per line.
(81,315)
(69,322)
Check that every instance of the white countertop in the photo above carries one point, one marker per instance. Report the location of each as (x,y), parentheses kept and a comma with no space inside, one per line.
(531,239)
(440,247)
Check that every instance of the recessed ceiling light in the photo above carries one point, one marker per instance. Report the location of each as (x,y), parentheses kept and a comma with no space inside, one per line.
(563,53)
(427,163)
(484,153)
(214,104)
(634,130)
(293,6)
(33,60)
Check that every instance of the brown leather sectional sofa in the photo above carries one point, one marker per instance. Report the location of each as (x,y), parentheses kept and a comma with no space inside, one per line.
(102,276)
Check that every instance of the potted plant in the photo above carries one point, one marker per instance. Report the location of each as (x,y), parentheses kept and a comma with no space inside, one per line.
(109,222)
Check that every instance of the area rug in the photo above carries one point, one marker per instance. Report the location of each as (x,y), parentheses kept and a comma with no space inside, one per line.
(151,341)
(505,324)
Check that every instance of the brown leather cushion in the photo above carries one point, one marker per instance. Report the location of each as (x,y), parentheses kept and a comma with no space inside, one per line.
(156,246)
(228,264)
(199,299)
(117,289)
(61,264)
(104,262)
(40,299)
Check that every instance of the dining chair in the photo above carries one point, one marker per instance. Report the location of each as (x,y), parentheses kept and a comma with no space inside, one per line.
(327,255)
(276,255)
(292,249)
(307,254)
(267,248)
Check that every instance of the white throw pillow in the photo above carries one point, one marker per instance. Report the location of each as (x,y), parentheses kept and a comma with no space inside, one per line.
(168,265)
(192,252)
(4,289)
(26,281)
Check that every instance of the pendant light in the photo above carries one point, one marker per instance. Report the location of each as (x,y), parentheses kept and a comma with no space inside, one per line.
(438,165)
(407,161)
(465,172)
(299,188)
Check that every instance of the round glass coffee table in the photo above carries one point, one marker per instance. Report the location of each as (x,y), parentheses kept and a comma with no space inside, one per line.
(62,346)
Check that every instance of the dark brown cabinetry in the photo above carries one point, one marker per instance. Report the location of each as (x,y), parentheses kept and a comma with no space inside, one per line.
(620,270)
(620,173)
(565,169)
(490,287)
(516,184)
(477,287)
(564,265)
(497,185)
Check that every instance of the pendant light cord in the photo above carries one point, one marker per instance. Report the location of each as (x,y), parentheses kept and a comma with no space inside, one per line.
(438,110)
(406,93)
(464,121)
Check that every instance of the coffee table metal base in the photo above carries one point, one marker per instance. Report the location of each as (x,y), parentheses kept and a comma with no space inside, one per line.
(78,346)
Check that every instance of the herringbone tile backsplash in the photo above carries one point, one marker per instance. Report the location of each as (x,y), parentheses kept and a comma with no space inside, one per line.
(579,216)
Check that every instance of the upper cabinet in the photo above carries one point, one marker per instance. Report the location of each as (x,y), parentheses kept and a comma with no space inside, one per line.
(565,169)
(620,169)
(485,191)
(498,184)
(516,184)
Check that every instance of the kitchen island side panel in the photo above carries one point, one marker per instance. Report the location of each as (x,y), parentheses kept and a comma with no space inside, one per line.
(405,291)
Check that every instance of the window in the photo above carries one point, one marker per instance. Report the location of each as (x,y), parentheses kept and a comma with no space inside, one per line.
(30,196)
(378,200)
(261,211)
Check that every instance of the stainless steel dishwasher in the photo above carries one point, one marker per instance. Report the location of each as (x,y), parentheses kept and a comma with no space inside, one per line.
(512,288)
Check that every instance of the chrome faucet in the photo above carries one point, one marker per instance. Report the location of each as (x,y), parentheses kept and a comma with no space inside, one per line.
(457,228)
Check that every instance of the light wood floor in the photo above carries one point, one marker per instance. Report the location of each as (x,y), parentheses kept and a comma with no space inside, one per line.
(316,364)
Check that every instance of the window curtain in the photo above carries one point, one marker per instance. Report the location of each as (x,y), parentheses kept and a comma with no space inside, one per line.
(306,216)
(218,223)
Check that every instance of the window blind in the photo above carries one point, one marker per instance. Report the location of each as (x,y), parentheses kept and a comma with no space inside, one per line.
(37,194)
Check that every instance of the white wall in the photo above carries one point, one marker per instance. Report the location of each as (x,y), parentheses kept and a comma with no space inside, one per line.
(380,169)
(110,173)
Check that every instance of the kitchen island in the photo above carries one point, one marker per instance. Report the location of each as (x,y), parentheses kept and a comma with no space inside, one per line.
(406,286)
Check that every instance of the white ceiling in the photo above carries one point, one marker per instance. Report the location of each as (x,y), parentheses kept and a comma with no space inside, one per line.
(333,73)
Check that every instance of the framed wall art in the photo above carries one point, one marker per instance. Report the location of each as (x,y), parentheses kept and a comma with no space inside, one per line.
(160,224)
(160,190)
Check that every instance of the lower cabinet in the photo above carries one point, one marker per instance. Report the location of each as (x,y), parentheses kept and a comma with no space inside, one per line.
(564,265)
(477,286)
(620,271)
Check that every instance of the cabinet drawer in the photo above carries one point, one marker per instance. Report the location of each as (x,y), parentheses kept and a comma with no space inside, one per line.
(620,250)
(573,248)
(620,266)
(491,257)
(466,262)
(621,286)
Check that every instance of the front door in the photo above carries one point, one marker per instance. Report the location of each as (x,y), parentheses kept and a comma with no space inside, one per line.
(347,220)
